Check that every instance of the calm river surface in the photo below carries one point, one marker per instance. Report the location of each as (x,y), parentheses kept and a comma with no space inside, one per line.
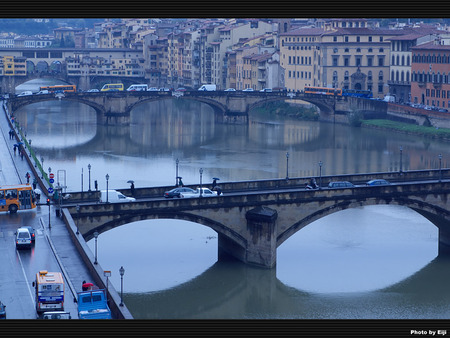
(372,262)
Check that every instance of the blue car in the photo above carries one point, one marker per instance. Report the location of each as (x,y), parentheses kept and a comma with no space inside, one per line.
(378,181)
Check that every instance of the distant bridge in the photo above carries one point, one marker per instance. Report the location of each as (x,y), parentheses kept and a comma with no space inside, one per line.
(231,107)
(254,218)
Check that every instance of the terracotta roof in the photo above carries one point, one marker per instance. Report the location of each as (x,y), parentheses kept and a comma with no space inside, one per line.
(431,46)
(304,31)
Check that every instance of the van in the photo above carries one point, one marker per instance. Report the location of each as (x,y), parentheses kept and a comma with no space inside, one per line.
(208,87)
(56,315)
(137,88)
(114,197)
(23,238)
(26,93)
(389,98)
(45,91)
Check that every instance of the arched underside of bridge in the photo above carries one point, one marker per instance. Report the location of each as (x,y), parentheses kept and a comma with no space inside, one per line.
(435,214)
(148,215)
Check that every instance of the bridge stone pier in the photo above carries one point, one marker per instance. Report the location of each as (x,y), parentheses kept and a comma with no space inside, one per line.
(252,223)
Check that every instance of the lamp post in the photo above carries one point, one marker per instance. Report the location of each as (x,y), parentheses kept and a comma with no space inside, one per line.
(401,161)
(201,173)
(176,177)
(95,236)
(78,217)
(42,167)
(107,179)
(440,167)
(107,274)
(122,272)
(287,165)
(320,174)
(89,169)
(81,179)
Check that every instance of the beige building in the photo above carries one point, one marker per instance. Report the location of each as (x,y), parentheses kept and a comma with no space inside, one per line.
(336,56)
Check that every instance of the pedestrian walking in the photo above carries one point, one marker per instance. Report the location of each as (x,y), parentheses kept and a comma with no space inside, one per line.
(27,176)
(15,148)
(21,154)
(132,188)
(34,183)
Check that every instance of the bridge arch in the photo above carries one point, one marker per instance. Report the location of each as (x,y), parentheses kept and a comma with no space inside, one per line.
(220,228)
(436,215)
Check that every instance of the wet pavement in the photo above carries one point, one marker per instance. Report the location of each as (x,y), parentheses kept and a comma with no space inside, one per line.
(13,170)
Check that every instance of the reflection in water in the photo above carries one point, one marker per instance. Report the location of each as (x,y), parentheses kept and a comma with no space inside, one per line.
(371,262)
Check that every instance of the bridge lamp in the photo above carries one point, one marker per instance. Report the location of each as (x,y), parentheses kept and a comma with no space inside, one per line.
(89,169)
(95,236)
(401,161)
(287,165)
(121,272)
(201,173)
(440,167)
(176,177)
(320,174)
(78,217)
(107,179)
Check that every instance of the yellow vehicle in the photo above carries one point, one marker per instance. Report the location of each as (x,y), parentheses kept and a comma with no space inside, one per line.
(112,87)
(59,89)
(323,91)
(49,291)
(17,197)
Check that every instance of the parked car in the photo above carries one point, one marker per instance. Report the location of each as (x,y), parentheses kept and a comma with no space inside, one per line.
(181,89)
(340,184)
(377,181)
(230,90)
(32,232)
(153,89)
(177,191)
(196,193)
(23,238)
(93,90)
(45,91)
(26,93)
(266,90)
(2,311)
(164,89)
(248,90)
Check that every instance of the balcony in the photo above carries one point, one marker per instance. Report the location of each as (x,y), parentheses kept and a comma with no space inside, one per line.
(437,84)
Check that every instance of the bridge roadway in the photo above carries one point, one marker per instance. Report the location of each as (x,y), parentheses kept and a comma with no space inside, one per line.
(54,250)
(253,218)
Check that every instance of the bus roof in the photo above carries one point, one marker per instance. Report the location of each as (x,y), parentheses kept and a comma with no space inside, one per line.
(15,186)
(49,277)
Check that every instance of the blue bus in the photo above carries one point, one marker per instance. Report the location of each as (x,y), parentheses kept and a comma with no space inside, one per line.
(367,94)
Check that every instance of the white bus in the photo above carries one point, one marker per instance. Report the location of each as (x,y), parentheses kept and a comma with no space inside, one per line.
(137,88)
(49,291)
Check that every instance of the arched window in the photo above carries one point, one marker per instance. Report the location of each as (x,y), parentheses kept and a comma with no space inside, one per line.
(402,76)
(392,76)
(393,60)
(408,61)
(397,76)
(398,59)
(403,60)
(407,76)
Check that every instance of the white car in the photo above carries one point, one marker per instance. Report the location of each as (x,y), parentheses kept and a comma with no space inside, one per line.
(153,89)
(93,91)
(248,90)
(230,90)
(23,238)
(196,193)
(26,93)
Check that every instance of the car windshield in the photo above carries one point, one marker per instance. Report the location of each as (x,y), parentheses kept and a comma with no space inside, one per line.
(23,234)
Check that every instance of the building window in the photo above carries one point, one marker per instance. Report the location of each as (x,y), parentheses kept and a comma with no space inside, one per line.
(346,61)
(381,39)
(369,61)
(358,61)
(346,39)
(380,61)
(335,61)
(370,39)
(358,39)
(334,38)
(380,76)
(369,76)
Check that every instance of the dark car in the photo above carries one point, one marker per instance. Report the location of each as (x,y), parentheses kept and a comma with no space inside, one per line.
(176,192)
(378,181)
(32,232)
(2,311)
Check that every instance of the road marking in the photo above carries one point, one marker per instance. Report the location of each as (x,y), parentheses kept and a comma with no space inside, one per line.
(26,279)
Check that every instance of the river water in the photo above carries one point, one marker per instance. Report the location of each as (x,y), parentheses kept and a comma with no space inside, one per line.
(378,262)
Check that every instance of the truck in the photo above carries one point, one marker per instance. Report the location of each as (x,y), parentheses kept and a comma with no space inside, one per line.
(92,304)
(49,291)
(208,87)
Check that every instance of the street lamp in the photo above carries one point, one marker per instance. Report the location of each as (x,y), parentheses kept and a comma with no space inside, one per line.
(89,168)
(401,161)
(176,177)
(81,179)
(320,174)
(287,165)
(122,272)
(107,274)
(107,179)
(95,236)
(201,173)
(440,167)
(78,217)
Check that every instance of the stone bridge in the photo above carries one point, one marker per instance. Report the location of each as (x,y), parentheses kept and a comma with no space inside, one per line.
(252,223)
(230,107)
